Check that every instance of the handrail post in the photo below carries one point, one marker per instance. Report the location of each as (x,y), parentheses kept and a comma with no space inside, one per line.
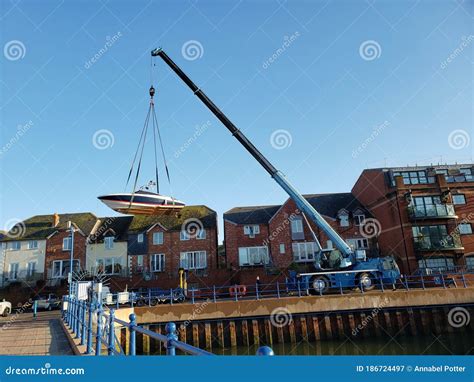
(256,291)
(172,336)
(422,281)
(111,344)
(278,289)
(89,330)
(171,296)
(78,320)
(235,293)
(340,287)
(131,328)
(463,279)
(98,338)
(74,315)
(442,279)
(132,297)
(299,288)
(149,297)
(192,295)
(65,312)
(381,283)
(83,319)
(214,292)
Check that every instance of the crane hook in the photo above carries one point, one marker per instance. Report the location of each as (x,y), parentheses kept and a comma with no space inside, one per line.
(152,91)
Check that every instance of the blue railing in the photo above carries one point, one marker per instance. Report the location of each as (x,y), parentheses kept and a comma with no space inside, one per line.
(80,317)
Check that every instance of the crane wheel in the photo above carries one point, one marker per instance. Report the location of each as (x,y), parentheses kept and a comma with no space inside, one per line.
(366,280)
(319,285)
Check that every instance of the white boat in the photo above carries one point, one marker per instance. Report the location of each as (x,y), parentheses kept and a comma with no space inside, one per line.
(141,203)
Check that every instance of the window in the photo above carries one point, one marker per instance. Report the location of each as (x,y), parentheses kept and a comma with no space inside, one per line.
(33,244)
(109,265)
(60,268)
(414,177)
(296,225)
(140,238)
(282,249)
(253,256)
(184,235)
(359,243)
(459,199)
(140,261)
(201,234)
(251,230)
(13,271)
(31,268)
(157,238)
(437,263)
(15,245)
(193,260)
(109,242)
(465,228)
(359,219)
(157,262)
(304,251)
(470,263)
(67,243)
(344,219)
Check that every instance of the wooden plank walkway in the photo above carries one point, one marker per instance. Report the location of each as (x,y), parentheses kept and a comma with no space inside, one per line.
(20,334)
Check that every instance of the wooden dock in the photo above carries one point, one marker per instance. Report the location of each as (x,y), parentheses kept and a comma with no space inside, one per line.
(21,334)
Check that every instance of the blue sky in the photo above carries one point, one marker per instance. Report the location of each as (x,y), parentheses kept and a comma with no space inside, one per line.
(323,88)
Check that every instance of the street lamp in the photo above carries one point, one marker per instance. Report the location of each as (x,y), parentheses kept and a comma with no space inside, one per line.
(71,258)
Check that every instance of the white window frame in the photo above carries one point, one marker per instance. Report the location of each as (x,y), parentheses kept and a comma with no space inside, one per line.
(282,249)
(62,268)
(33,244)
(68,246)
(303,251)
(161,262)
(158,238)
(248,257)
(31,270)
(460,195)
(109,242)
(13,274)
(113,261)
(193,260)
(296,225)
(344,219)
(15,245)
(468,230)
(359,219)
(140,238)
(201,235)
(251,230)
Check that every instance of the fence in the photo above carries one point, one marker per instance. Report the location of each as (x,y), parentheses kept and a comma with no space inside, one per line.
(95,327)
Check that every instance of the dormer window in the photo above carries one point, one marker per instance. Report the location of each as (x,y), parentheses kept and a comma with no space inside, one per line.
(109,242)
(343,219)
(359,218)
(251,230)
(140,238)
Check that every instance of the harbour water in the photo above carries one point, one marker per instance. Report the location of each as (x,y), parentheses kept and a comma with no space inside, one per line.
(461,343)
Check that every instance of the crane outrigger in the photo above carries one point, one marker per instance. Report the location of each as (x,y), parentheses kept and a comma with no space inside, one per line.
(353,268)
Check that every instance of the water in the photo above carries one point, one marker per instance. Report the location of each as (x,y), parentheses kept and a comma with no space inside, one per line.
(461,343)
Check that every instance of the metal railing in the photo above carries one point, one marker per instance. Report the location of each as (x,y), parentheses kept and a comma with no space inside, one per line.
(427,243)
(95,327)
(431,211)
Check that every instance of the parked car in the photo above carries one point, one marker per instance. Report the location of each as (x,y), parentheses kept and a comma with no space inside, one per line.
(5,308)
(48,302)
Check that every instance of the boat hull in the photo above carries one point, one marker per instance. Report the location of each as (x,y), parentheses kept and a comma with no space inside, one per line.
(141,204)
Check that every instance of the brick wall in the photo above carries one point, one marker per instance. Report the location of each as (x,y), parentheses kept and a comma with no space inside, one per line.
(54,250)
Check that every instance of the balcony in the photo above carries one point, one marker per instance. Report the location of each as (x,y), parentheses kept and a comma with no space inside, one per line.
(429,244)
(433,211)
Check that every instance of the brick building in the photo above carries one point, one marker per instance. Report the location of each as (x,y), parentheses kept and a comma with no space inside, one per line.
(281,237)
(425,213)
(158,246)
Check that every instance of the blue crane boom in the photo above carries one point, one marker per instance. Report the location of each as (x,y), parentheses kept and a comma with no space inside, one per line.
(302,204)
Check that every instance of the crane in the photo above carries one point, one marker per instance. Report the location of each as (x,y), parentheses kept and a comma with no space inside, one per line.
(354,268)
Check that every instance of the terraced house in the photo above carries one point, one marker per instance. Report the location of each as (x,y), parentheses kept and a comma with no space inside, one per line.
(425,214)
(280,236)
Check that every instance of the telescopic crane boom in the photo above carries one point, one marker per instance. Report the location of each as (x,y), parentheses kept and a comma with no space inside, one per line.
(301,202)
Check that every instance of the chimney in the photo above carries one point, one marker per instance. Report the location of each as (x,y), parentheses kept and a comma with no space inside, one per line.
(55,219)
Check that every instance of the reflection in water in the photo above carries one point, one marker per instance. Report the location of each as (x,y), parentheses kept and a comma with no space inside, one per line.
(449,344)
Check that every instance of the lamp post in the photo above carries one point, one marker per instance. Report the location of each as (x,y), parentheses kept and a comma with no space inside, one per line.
(71,258)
